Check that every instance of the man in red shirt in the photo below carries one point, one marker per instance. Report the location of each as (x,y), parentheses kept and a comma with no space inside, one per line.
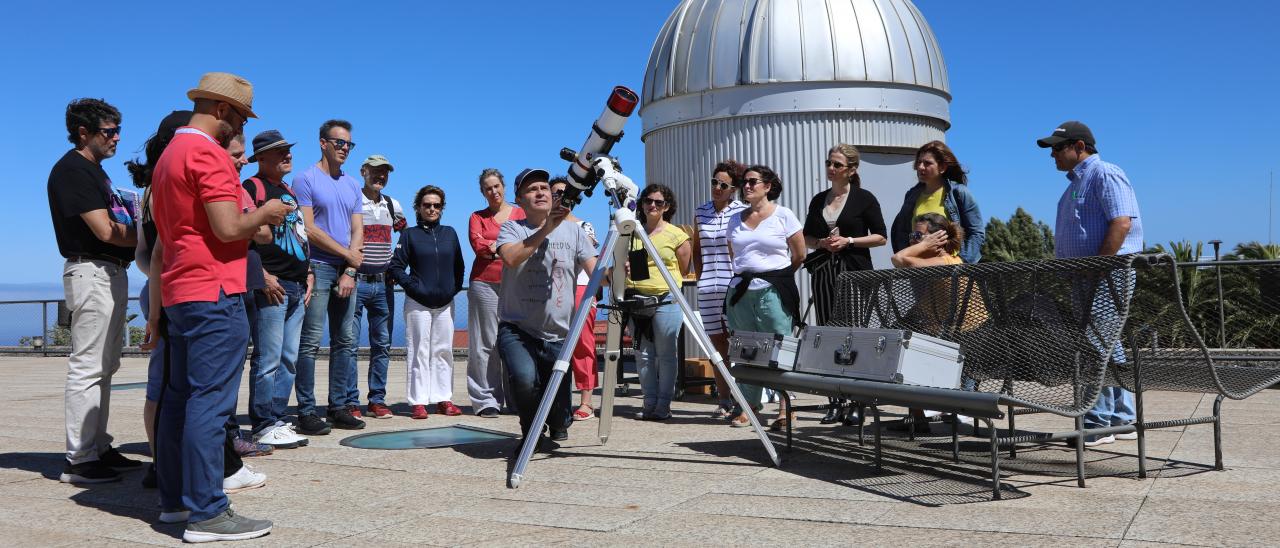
(204,222)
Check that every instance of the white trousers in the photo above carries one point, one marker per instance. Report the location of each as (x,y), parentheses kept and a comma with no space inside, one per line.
(429,345)
(97,294)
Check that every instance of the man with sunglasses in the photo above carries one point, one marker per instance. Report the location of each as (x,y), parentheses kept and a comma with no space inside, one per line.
(330,200)
(1097,215)
(98,244)
(381,215)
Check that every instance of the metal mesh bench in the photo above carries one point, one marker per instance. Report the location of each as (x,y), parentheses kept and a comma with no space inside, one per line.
(1047,336)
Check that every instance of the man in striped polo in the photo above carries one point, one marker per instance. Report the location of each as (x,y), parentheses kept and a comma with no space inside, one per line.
(374,290)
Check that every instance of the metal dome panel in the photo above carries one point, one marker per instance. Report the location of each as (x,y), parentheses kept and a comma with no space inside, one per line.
(714,44)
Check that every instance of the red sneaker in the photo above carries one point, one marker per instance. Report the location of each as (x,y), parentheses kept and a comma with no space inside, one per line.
(419,411)
(379,411)
(355,411)
(448,409)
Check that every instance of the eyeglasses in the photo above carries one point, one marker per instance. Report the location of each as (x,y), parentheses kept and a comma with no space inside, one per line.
(1063,146)
(917,236)
(431,205)
(717,184)
(109,132)
(836,165)
(341,143)
(654,203)
(752,182)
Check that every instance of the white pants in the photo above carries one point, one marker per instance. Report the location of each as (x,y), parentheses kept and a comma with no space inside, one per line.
(429,345)
(97,293)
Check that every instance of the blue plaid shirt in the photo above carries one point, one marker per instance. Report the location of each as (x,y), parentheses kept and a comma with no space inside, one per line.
(1098,193)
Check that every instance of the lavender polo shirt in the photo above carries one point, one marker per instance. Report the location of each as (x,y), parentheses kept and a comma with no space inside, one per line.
(332,201)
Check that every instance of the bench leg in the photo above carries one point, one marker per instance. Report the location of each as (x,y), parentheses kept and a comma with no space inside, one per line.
(786,413)
(1013,447)
(995,460)
(955,437)
(1217,433)
(875,427)
(1080,451)
(1142,435)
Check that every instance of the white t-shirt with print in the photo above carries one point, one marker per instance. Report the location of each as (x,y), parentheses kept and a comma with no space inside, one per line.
(379,237)
(764,248)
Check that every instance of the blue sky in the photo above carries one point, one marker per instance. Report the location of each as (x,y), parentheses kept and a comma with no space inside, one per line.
(1181,94)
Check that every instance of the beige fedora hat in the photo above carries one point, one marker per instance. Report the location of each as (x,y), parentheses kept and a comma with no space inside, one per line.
(227,87)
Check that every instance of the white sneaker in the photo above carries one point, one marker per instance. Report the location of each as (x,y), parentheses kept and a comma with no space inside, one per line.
(302,440)
(278,436)
(175,516)
(244,479)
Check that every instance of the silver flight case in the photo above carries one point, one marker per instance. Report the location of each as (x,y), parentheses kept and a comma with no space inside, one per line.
(886,355)
(769,350)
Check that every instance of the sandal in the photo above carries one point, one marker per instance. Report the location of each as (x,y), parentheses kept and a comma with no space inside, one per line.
(584,412)
(779,424)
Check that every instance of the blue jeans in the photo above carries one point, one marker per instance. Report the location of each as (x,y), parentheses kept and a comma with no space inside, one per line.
(656,359)
(759,310)
(529,361)
(1115,405)
(207,343)
(341,315)
(273,364)
(379,299)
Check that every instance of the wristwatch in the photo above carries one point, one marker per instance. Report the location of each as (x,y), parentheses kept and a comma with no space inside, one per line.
(350,272)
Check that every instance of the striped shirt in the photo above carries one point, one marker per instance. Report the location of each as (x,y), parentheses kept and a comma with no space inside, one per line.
(378,226)
(1099,192)
(717,269)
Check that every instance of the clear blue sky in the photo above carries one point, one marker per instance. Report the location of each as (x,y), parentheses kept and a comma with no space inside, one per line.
(1181,94)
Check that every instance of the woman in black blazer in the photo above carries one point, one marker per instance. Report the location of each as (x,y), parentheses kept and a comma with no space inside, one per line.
(843,223)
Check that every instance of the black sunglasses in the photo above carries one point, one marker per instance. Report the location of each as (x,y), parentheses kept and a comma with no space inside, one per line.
(654,203)
(717,184)
(110,132)
(752,182)
(425,205)
(341,143)
(836,165)
(1063,146)
(917,236)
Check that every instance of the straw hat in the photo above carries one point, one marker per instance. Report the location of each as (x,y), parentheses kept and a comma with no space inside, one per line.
(226,87)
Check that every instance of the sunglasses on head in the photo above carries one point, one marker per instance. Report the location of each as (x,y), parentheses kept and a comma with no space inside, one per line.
(341,143)
(110,132)
(717,184)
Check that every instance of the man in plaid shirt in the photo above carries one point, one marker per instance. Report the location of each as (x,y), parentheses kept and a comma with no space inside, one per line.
(1097,215)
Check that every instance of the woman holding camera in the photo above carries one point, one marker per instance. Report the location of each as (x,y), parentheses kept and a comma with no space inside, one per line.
(658,328)
(843,223)
(767,246)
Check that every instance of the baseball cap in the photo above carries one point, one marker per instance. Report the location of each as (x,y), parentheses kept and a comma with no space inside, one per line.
(376,160)
(531,175)
(1068,131)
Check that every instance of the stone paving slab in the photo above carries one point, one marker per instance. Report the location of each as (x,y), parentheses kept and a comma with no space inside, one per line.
(691,481)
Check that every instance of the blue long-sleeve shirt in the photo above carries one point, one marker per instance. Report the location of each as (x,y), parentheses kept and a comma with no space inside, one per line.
(427,263)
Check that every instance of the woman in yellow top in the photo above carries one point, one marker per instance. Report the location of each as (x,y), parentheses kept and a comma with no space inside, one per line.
(658,329)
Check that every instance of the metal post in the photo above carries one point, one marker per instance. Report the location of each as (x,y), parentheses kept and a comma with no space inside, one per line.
(1222,314)
(1013,447)
(1217,432)
(44,327)
(1137,396)
(875,427)
(955,437)
(995,460)
(1080,451)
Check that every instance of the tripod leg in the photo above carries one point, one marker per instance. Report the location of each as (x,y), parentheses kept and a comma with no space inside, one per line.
(562,363)
(613,342)
(693,322)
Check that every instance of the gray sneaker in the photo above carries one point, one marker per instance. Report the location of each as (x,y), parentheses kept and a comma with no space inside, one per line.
(226,526)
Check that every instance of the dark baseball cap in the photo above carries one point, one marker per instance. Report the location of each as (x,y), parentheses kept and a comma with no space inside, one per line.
(1068,131)
(267,140)
(532,175)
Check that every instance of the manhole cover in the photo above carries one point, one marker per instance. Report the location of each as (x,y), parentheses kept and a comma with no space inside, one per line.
(129,386)
(426,438)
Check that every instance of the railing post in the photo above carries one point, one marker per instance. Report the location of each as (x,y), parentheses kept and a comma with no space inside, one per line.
(1222,314)
(44,327)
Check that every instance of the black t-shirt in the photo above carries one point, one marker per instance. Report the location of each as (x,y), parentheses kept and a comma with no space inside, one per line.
(860,217)
(287,256)
(78,186)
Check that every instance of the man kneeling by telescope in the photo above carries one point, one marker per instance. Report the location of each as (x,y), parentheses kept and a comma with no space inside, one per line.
(541,256)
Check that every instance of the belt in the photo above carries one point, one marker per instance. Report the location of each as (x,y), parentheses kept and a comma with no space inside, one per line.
(104,258)
(372,278)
